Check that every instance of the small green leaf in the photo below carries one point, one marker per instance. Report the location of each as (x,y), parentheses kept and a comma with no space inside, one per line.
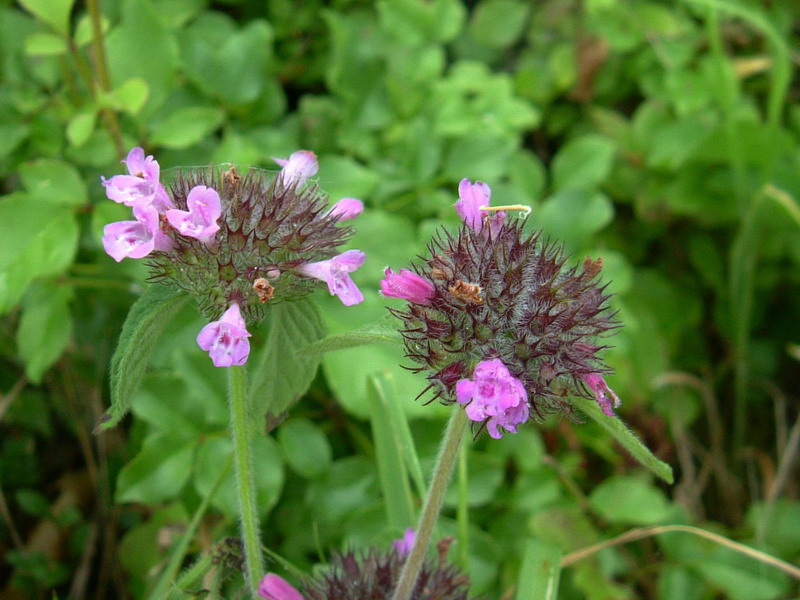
(630,501)
(583,162)
(341,176)
(83,30)
(625,437)
(148,317)
(131,95)
(282,371)
(45,44)
(573,215)
(392,470)
(540,572)
(382,330)
(484,156)
(53,12)
(186,126)
(55,181)
(498,23)
(305,447)
(80,127)
(44,328)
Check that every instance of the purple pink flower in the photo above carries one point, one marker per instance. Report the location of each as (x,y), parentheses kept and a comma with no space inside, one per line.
(135,239)
(346,209)
(275,587)
(404,545)
(494,394)
(336,273)
(141,185)
(226,340)
(408,286)
(298,167)
(601,392)
(471,196)
(200,221)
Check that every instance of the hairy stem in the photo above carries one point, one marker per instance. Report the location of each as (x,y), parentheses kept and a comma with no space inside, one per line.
(448,453)
(245,484)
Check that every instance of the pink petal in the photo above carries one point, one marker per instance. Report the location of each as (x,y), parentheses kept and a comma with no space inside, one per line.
(346,209)
(471,197)
(275,587)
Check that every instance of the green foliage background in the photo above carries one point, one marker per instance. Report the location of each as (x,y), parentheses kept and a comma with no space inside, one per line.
(659,135)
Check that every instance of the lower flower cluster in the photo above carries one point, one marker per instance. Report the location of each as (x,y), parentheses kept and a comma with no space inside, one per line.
(237,243)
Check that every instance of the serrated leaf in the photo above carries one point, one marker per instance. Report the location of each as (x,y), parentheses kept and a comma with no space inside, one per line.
(148,317)
(625,437)
(382,330)
(283,370)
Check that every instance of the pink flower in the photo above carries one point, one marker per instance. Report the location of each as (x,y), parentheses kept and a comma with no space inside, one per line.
(200,221)
(471,196)
(298,167)
(226,340)
(346,209)
(336,273)
(275,587)
(408,286)
(404,545)
(494,394)
(141,186)
(601,392)
(135,239)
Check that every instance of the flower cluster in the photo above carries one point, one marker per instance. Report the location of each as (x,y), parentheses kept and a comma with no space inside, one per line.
(373,576)
(500,321)
(237,243)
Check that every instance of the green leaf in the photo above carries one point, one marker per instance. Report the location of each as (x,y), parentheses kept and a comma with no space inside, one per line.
(630,501)
(145,322)
(382,330)
(55,181)
(573,215)
(583,162)
(305,447)
(342,177)
(45,44)
(418,21)
(80,127)
(37,238)
(53,12)
(484,156)
(498,23)
(186,126)
(142,47)
(540,572)
(282,371)
(159,471)
(44,328)
(625,437)
(11,136)
(392,470)
(130,96)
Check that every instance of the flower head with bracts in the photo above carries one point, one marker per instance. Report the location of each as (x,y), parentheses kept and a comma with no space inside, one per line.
(500,321)
(237,243)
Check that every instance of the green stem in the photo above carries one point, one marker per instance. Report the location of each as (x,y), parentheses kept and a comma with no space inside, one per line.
(191,576)
(245,483)
(448,453)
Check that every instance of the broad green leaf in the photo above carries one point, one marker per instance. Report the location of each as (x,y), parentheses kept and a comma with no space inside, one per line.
(679,583)
(44,328)
(540,572)
(53,12)
(382,330)
(342,177)
(55,181)
(186,126)
(583,162)
(141,46)
(630,501)
(159,471)
(37,238)
(11,135)
(625,437)
(45,44)
(281,372)
(268,472)
(83,30)
(484,156)
(573,215)
(420,21)
(147,319)
(305,447)
(392,469)
(740,582)
(80,127)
